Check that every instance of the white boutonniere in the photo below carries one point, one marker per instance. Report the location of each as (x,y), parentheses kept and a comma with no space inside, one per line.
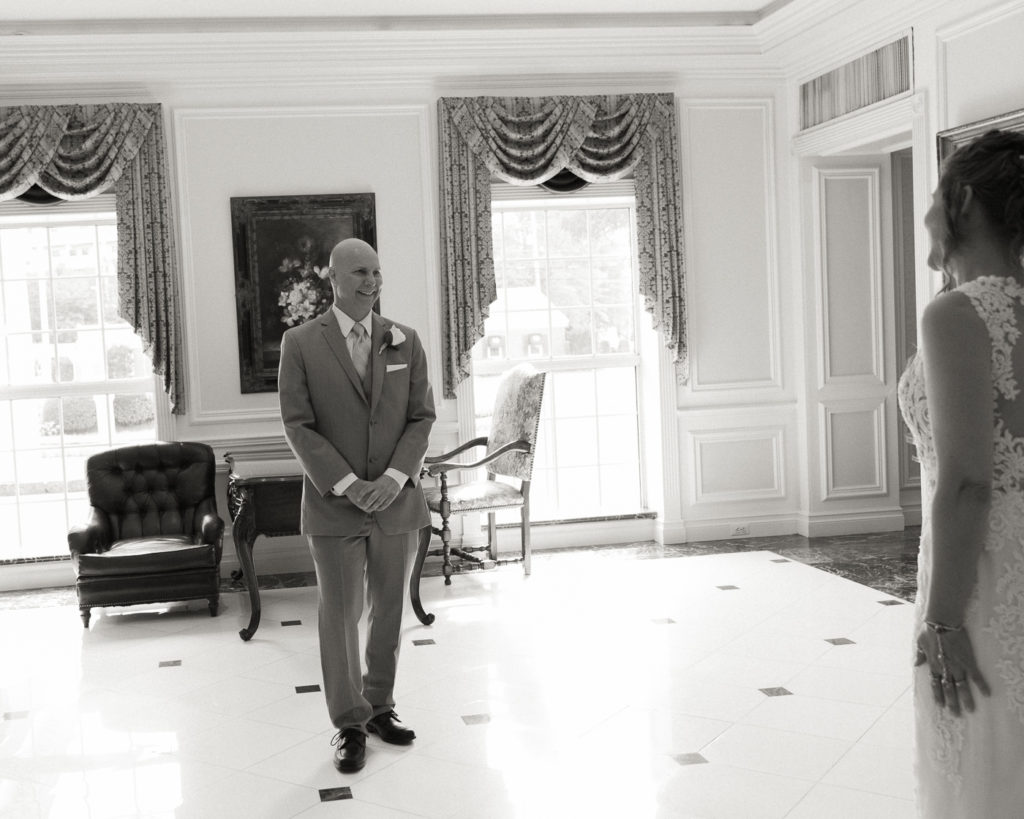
(392,338)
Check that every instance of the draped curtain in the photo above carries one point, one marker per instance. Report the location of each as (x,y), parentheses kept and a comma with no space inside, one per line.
(75,152)
(526,141)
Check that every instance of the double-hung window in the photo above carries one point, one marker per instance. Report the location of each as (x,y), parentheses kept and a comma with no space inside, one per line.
(568,302)
(73,376)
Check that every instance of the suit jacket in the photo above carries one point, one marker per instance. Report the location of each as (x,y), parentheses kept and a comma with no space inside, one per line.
(334,428)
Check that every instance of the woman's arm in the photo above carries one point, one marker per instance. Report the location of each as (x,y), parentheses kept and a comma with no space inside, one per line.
(958,383)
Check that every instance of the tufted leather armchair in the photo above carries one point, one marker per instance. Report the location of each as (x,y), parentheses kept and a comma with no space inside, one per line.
(154,534)
(509,451)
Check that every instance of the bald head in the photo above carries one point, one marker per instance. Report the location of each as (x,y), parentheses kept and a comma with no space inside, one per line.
(355,276)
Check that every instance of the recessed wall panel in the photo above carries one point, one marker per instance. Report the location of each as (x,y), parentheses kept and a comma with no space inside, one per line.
(733,307)
(854,451)
(849,267)
(738,465)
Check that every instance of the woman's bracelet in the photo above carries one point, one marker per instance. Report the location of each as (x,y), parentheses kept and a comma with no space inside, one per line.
(942,628)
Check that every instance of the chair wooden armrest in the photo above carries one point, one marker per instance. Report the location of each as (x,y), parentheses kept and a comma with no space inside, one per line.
(436,459)
(444,467)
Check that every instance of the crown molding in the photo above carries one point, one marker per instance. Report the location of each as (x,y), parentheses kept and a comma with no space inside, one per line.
(376,57)
(370,23)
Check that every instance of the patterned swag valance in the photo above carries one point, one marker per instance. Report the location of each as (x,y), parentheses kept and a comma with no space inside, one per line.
(76,152)
(526,141)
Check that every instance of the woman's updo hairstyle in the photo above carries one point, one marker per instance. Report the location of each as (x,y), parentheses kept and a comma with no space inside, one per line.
(993,166)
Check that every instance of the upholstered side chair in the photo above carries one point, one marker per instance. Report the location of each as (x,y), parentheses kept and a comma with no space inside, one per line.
(154,534)
(510,446)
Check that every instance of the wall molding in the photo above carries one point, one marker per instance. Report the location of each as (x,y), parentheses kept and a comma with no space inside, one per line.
(774,434)
(773,379)
(890,119)
(828,411)
(876,376)
(197,413)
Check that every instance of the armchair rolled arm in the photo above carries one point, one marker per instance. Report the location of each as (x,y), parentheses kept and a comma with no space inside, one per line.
(92,536)
(212,528)
(444,467)
(436,459)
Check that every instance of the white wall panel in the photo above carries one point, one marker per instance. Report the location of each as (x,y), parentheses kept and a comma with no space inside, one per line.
(732,277)
(738,465)
(854,451)
(850,271)
(287,152)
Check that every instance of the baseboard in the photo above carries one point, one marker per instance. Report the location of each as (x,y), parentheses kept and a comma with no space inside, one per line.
(740,527)
(857,523)
(50,574)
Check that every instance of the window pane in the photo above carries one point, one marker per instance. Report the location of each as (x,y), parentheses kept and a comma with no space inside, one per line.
(567,233)
(610,231)
(579,331)
(613,282)
(616,390)
(27,305)
(576,442)
(108,295)
(106,235)
(24,253)
(40,473)
(33,359)
(37,421)
(6,431)
(526,276)
(84,349)
(44,526)
(572,393)
(614,329)
(124,355)
(7,485)
(134,417)
(617,437)
(73,250)
(76,303)
(524,234)
(569,283)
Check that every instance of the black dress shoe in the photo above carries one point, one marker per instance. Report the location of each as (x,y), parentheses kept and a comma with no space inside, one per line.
(351,754)
(388,727)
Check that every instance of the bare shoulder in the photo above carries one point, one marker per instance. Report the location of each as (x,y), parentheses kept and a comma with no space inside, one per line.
(951,318)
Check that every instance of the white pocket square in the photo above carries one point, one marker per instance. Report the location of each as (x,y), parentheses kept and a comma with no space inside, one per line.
(393,367)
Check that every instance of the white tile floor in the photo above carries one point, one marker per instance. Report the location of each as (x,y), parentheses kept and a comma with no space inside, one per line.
(595,688)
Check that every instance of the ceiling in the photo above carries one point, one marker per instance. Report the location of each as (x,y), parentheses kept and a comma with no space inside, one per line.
(43,14)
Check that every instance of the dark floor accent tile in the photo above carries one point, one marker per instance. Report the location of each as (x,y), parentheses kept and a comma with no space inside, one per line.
(306,689)
(840,641)
(891,602)
(169,663)
(291,622)
(335,794)
(728,588)
(777,691)
(663,621)
(476,719)
(781,560)
(11,715)
(423,643)
(690,759)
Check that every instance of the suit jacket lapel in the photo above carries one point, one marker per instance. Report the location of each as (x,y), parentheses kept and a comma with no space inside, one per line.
(336,341)
(377,362)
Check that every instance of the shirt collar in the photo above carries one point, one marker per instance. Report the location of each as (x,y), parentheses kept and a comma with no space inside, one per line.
(346,322)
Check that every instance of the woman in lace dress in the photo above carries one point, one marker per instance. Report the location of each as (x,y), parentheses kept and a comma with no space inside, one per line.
(959,398)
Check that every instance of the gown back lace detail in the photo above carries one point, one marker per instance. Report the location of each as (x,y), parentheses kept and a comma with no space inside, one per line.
(973,765)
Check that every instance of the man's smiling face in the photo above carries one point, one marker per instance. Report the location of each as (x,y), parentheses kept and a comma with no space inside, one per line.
(356,277)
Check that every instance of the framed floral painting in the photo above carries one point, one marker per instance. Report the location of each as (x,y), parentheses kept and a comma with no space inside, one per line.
(282,251)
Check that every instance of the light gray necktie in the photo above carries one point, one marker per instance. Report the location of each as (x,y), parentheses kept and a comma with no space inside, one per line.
(361,354)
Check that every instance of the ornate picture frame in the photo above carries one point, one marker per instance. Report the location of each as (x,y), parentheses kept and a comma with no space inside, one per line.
(282,248)
(952,138)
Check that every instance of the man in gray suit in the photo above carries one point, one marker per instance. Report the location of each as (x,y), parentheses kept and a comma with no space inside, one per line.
(357,410)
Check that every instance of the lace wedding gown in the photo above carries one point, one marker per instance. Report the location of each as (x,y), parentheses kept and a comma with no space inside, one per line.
(972,767)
